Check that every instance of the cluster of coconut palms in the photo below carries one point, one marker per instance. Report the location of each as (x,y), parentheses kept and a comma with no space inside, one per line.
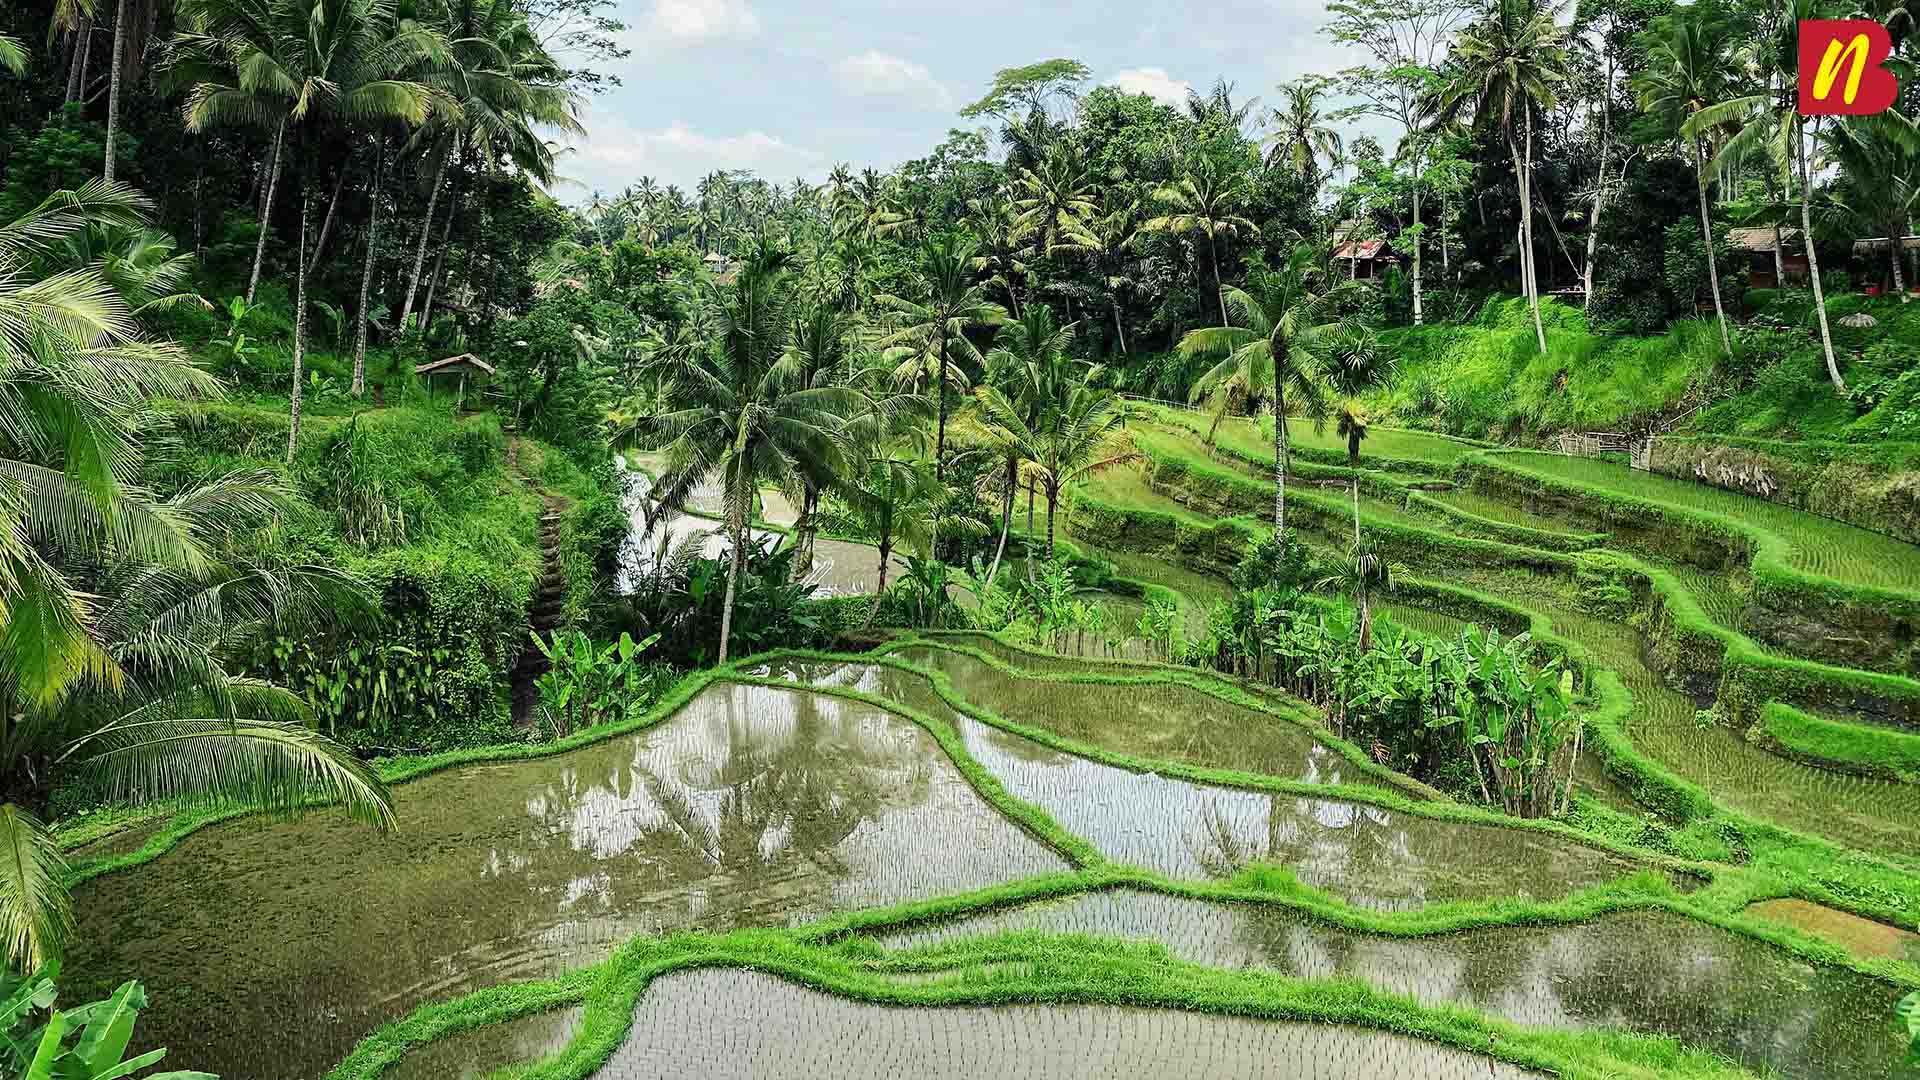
(781,390)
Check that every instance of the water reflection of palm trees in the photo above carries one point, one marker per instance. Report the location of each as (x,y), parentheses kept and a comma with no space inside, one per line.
(759,789)
(1361,848)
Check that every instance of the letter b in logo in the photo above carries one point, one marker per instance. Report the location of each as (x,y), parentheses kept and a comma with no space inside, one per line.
(1840,68)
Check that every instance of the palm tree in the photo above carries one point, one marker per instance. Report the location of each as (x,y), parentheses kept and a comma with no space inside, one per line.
(1055,204)
(1690,68)
(1284,348)
(1301,134)
(1030,367)
(1877,158)
(1204,201)
(1505,68)
(936,328)
(114,607)
(741,409)
(1364,573)
(1071,441)
(13,55)
(502,85)
(1771,124)
(331,63)
(898,500)
(992,219)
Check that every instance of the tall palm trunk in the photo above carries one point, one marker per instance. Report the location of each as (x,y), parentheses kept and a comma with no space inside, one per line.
(299,329)
(1523,175)
(366,273)
(737,532)
(1599,190)
(1706,236)
(1419,312)
(113,83)
(1279,465)
(886,556)
(1219,290)
(940,438)
(1053,503)
(326,223)
(439,267)
(1896,251)
(266,209)
(1813,256)
(77,68)
(1006,516)
(426,229)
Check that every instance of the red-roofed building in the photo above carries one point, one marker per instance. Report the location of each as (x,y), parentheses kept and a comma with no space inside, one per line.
(1366,259)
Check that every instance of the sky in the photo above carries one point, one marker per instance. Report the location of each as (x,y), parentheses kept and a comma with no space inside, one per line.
(787,88)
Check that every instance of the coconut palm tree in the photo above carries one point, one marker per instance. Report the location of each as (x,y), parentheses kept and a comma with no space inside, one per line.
(933,340)
(1030,367)
(1505,68)
(1301,133)
(115,607)
(1770,125)
(1054,204)
(327,65)
(1204,201)
(503,86)
(13,55)
(1071,441)
(992,218)
(898,499)
(1288,341)
(1690,67)
(740,409)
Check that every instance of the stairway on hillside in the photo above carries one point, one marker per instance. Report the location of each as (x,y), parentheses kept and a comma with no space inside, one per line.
(543,612)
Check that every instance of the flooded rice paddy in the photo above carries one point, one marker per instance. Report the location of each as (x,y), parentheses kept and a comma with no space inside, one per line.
(751,807)
(1650,972)
(1365,855)
(473,1054)
(723,1025)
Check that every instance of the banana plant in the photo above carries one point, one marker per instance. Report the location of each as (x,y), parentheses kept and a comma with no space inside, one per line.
(86,1043)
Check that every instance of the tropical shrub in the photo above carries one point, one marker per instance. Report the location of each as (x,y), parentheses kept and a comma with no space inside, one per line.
(85,1043)
(591,684)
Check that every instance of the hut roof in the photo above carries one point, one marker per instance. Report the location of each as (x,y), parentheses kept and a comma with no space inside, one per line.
(467,361)
(1760,238)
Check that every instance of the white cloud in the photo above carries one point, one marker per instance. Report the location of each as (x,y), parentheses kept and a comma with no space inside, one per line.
(876,73)
(1153,82)
(616,154)
(686,22)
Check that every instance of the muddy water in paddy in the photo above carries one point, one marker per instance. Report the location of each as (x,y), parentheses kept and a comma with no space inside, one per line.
(1651,972)
(738,1025)
(1158,722)
(271,947)
(473,1054)
(1368,856)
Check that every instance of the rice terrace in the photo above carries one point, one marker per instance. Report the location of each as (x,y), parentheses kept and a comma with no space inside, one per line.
(619,539)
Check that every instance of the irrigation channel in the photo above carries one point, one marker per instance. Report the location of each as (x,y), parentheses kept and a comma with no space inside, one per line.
(961,857)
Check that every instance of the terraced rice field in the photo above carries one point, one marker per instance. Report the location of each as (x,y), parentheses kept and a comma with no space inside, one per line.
(753,807)
(1246,434)
(1818,545)
(740,1025)
(1644,971)
(1875,815)
(1486,506)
